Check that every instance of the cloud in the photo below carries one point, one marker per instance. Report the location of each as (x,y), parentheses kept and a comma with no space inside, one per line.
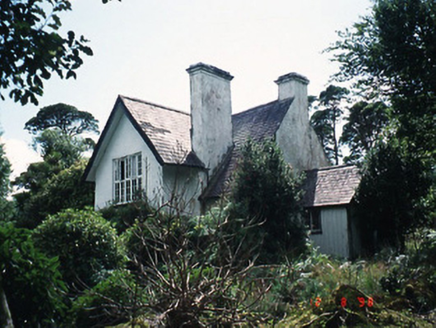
(20,155)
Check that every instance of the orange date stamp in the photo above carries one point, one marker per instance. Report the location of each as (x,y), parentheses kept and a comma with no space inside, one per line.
(361,301)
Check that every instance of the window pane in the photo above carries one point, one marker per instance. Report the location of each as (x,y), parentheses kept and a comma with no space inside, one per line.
(134,189)
(140,185)
(116,171)
(117,193)
(316,220)
(123,169)
(133,165)
(128,191)
(139,164)
(123,193)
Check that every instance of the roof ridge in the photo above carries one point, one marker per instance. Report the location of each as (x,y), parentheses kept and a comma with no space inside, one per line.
(333,167)
(263,105)
(153,104)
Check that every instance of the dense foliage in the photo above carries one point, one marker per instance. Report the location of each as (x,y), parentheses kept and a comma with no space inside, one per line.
(32,282)
(266,193)
(390,200)
(114,300)
(391,53)
(31,47)
(65,189)
(365,125)
(5,170)
(85,243)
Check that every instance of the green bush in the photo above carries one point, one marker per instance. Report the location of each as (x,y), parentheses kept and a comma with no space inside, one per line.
(84,242)
(112,301)
(266,194)
(31,281)
(124,216)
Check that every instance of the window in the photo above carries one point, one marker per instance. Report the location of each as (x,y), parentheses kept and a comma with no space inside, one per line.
(127,178)
(313,221)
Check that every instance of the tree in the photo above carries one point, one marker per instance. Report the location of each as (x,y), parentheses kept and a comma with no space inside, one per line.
(266,194)
(390,200)
(58,148)
(5,170)
(392,53)
(63,190)
(68,119)
(366,122)
(31,48)
(325,121)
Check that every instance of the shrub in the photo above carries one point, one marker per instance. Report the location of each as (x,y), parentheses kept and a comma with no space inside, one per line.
(266,193)
(84,242)
(31,281)
(112,301)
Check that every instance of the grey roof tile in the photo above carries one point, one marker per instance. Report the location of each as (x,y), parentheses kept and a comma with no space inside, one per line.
(168,130)
(329,186)
(258,123)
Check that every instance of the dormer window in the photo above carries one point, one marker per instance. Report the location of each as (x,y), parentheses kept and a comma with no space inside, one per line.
(127,173)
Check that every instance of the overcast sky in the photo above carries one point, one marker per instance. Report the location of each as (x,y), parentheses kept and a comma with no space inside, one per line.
(142,49)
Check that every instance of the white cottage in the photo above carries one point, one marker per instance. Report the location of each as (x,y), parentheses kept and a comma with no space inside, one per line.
(189,158)
(163,152)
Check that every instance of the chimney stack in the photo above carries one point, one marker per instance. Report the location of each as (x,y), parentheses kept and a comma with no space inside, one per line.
(211,113)
(292,85)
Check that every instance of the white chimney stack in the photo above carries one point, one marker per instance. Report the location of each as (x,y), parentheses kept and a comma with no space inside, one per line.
(211,113)
(292,85)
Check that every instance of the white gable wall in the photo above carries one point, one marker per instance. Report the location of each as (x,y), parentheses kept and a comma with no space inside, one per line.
(334,237)
(123,141)
(184,185)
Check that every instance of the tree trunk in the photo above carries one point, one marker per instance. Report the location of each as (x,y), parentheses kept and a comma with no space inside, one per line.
(5,314)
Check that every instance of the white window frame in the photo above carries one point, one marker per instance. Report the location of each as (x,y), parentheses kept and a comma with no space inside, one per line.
(127,178)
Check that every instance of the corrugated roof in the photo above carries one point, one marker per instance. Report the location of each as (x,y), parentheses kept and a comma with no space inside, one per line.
(168,130)
(329,186)
(258,123)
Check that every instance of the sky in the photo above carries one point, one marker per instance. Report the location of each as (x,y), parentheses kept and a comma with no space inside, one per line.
(143,47)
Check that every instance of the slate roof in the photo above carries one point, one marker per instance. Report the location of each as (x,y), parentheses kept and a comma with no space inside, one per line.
(329,186)
(258,123)
(167,129)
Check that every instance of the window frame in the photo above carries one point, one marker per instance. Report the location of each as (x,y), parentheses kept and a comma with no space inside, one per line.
(314,220)
(127,178)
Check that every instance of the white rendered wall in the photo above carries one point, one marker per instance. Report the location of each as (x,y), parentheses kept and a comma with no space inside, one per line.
(126,141)
(299,143)
(184,185)
(334,237)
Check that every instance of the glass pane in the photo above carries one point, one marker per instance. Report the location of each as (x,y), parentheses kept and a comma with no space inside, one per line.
(123,169)
(316,220)
(128,191)
(140,184)
(116,171)
(134,189)
(133,165)
(117,193)
(123,193)
(139,164)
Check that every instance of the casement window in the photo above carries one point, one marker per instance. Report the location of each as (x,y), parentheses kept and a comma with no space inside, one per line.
(127,178)
(313,221)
